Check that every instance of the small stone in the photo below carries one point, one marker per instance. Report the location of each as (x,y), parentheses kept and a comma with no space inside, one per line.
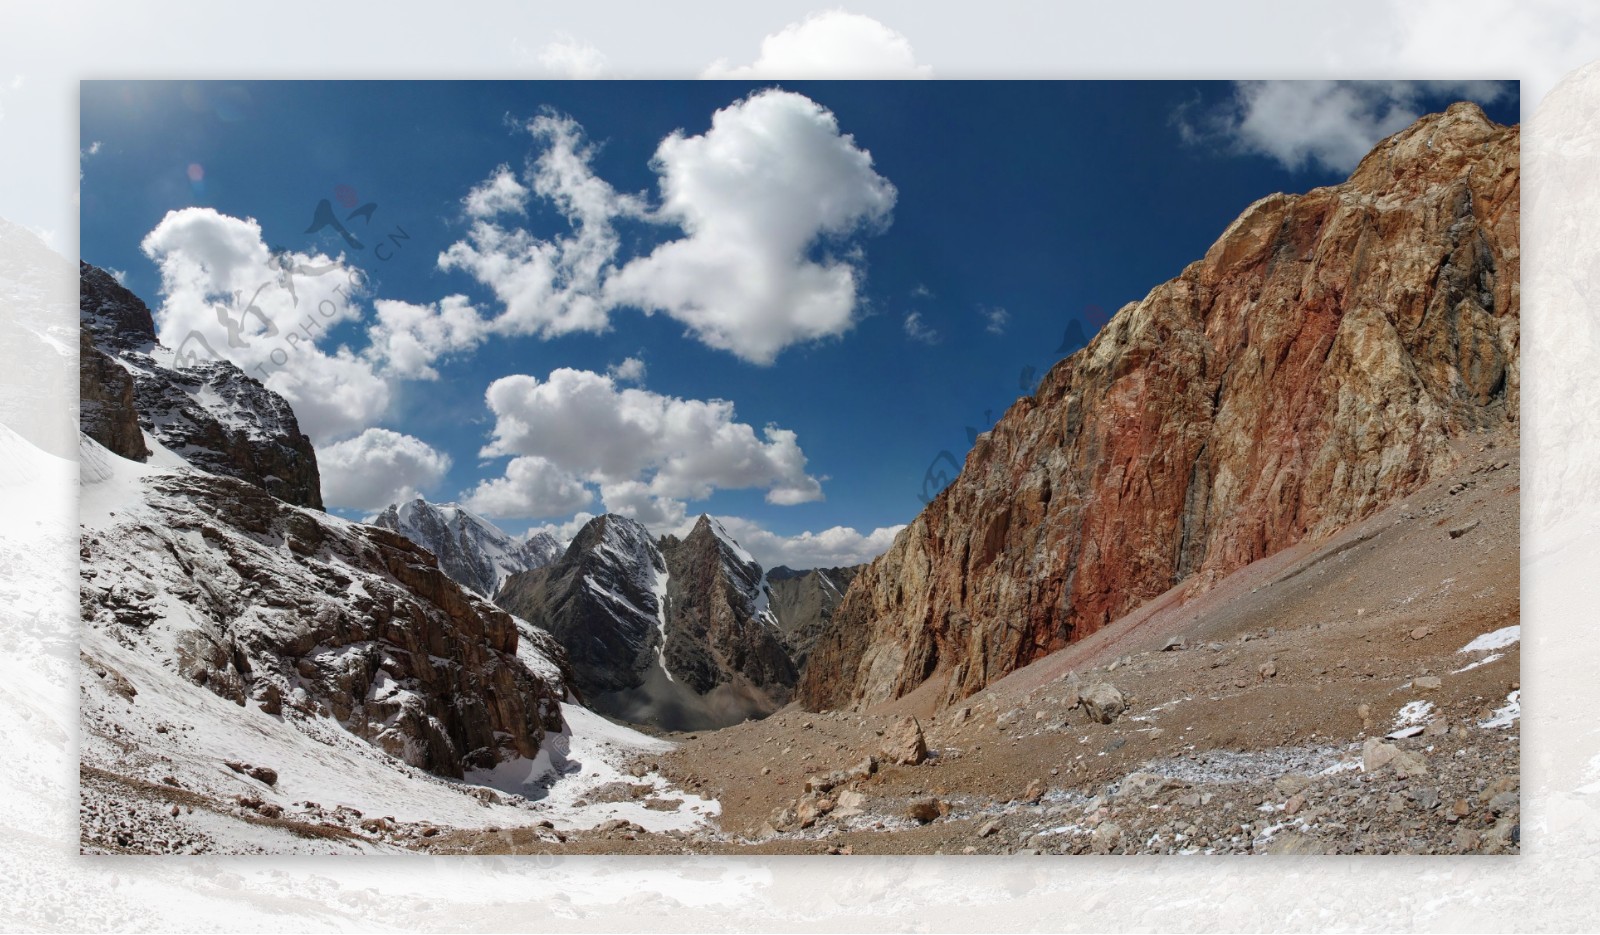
(1294,844)
(1427,683)
(1295,803)
(1105,837)
(988,828)
(1459,531)
(1420,633)
(1290,783)
(1267,670)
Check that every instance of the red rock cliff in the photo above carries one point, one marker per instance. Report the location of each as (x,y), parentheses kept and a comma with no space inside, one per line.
(1311,367)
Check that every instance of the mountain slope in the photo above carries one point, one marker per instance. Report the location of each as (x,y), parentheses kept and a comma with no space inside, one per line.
(207,412)
(671,633)
(471,550)
(802,603)
(1313,366)
(302,616)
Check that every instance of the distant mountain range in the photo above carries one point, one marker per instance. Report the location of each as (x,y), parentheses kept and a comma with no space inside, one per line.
(470,549)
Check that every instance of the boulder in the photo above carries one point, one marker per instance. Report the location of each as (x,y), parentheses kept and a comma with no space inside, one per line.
(1104,702)
(904,744)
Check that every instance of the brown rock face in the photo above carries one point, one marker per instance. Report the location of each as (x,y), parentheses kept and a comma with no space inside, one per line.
(1314,365)
(106,410)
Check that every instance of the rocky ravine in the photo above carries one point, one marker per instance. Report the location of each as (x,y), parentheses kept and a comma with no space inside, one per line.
(1313,366)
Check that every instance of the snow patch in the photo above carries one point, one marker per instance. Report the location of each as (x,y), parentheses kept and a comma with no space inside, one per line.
(1499,639)
(1507,714)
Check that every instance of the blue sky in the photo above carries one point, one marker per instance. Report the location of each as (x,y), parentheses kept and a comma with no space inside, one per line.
(998,213)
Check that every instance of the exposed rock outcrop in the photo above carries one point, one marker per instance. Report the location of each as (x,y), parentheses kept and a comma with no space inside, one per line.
(106,410)
(208,412)
(1313,366)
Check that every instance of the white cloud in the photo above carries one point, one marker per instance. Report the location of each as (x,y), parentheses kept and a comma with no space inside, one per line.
(563,532)
(546,287)
(377,468)
(645,451)
(917,330)
(754,196)
(830,44)
(225,293)
(531,488)
(635,500)
(631,370)
(995,320)
(840,545)
(500,193)
(771,183)
(1331,124)
(572,58)
(409,339)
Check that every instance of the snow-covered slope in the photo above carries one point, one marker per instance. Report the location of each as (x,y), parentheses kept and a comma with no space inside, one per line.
(473,551)
(262,678)
(303,615)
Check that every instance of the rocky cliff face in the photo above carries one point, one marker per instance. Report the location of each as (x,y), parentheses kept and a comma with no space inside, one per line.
(673,633)
(1314,365)
(208,412)
(802,603)
(719,632)
(602,601)
(471,550)
(307,617)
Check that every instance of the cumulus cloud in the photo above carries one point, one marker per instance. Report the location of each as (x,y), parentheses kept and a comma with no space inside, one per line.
(762,200)
(646,452)
(830,44)
(531,488)
(754,195)
(226,294)
(547,287)
(1331,124)
(500,193)
(631,370)
(572,58)
(377,468)
(917,330)
(409,339)
(830,548)
(995,320)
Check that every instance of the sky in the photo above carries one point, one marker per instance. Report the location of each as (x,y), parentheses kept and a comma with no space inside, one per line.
(786,303)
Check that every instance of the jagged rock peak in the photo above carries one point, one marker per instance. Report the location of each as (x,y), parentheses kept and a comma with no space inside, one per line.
(207,412)
(474,552)
(114,317)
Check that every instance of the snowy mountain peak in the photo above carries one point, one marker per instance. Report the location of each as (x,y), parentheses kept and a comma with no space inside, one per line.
(474,552)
